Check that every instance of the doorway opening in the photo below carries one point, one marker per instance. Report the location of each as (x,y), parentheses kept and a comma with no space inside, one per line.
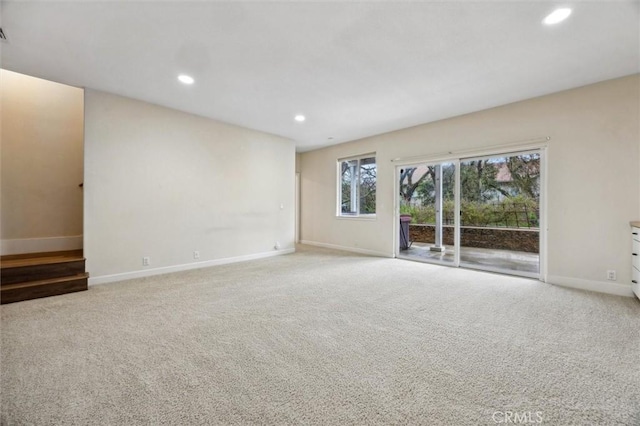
(42,165)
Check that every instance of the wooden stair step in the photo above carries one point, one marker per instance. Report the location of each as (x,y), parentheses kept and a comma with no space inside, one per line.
(26,258)
(38,268)
(17,292)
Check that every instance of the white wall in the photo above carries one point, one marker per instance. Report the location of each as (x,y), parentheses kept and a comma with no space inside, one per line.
(42,137)
(593,193)
(162,183)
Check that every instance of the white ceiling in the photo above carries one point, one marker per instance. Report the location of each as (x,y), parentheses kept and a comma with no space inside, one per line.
(355,69)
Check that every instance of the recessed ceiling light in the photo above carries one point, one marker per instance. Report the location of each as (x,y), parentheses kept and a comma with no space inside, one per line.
(300,118)
(557,16)
(186,79)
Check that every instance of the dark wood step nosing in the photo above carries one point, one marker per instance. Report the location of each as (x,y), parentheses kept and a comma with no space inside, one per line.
(43,288)
(47,281)
(7,265)
(78,253)
(40,272)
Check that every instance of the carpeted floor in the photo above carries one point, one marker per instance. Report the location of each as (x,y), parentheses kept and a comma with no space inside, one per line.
(322,337)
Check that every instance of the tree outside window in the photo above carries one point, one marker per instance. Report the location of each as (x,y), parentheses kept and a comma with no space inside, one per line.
(358,186)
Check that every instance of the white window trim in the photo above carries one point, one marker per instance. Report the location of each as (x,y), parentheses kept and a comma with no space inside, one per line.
(358,216)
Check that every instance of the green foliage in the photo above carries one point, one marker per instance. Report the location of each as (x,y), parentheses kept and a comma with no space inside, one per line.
(427,214)
(478,180)
(497,192)
(515,212)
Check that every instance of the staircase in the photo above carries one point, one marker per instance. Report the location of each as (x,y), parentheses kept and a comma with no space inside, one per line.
(36,275)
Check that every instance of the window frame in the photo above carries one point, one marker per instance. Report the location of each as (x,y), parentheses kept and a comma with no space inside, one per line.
(358,216)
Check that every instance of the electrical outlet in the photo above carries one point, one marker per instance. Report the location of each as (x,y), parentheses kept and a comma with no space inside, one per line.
(611,275)
(196,254)
(277,245)
(146,261)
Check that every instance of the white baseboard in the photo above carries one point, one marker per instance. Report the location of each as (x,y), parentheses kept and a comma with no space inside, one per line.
(599,286)
(41,245)
(104,279)
(345,248)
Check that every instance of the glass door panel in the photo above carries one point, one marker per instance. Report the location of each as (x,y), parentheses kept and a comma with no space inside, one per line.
(500,213)
(427,212)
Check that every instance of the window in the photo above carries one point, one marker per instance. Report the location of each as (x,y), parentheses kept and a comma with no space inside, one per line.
(357,195)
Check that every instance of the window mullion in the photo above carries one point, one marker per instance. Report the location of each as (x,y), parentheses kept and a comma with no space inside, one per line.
(358,184)
(354,189)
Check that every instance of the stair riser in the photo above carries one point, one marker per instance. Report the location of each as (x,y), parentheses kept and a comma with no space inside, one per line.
(40,272)
(45,290)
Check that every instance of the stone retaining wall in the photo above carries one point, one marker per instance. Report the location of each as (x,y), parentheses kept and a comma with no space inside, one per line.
(492,238)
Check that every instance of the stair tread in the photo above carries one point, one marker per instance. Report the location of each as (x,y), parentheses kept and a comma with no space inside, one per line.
(44,282)
(62,257)
(76,253)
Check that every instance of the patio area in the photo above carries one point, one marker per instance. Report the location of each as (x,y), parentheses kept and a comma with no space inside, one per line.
(507,260)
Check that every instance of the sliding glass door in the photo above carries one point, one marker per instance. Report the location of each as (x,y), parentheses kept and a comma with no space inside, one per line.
(476,212)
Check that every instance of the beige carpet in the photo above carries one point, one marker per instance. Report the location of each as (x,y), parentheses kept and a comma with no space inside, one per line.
(322,337)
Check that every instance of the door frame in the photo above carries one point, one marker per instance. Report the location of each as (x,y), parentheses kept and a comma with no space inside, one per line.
(297,209)
(540,145)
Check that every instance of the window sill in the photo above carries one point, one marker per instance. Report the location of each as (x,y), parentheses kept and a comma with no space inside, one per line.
(370,218)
